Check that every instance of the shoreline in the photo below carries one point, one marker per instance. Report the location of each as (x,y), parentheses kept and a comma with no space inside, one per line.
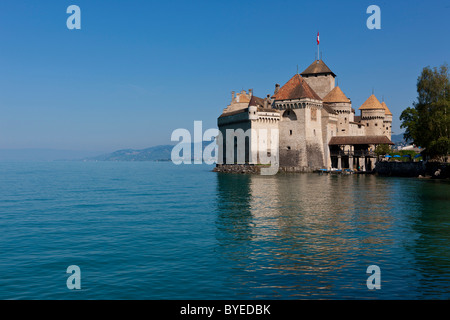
(420,170)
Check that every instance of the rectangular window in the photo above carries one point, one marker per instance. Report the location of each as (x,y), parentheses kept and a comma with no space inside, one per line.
(313,114)
(290,132)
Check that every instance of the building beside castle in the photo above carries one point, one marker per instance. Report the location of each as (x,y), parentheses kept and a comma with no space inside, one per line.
(316,124)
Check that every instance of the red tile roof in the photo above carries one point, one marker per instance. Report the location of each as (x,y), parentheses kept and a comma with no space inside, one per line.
(371,103)
(255,101)
(336,95)
(386,109)
(295,88)
(352,140)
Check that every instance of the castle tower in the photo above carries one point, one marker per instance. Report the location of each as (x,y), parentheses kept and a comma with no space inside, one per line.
(239,100)
(387,123)
(248,114)
(372,116)
(320,78)
(342,105)
(301,142)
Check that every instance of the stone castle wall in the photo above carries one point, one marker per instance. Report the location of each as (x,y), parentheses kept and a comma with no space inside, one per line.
(373,121)
(301,139)
(321,84)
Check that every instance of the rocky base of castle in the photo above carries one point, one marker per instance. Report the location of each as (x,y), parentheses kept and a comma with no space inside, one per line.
(287,169)
(256,169)
(238,168)
(436,170)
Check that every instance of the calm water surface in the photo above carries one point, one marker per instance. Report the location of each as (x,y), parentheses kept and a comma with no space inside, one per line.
(159,231)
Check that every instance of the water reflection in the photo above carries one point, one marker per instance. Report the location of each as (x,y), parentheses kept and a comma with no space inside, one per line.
(431,223)
(311,236)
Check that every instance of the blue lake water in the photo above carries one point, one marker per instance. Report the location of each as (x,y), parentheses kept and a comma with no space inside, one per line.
(153,230)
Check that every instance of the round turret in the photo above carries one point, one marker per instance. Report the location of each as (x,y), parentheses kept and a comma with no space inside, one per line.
(387,123)
(252,112)
(372,116)
(342,105)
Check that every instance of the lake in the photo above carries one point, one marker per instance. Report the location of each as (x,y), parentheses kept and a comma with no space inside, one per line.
(153,230)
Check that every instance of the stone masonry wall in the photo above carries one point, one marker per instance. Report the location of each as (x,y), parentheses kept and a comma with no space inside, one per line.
(321,84)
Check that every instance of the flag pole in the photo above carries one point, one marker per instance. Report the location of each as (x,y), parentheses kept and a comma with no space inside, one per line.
(318,54)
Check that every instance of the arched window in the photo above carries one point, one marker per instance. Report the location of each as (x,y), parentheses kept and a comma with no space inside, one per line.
(289,115)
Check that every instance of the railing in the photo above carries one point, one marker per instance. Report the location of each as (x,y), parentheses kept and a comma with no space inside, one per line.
(357,153)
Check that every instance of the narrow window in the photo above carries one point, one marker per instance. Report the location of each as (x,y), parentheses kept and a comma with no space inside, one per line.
(313,114)
(290,132)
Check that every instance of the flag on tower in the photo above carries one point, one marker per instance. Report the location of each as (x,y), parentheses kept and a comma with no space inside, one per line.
(318,38)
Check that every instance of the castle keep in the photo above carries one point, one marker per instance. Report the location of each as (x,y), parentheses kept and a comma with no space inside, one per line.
(316,124)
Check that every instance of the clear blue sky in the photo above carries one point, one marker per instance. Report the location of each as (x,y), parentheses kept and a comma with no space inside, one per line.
(137,70)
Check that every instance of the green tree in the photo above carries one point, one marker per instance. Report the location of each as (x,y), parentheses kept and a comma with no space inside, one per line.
(382,149)
(427,123)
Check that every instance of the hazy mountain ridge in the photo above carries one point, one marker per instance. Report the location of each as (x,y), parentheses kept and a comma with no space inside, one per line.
(396,138)
(156,153)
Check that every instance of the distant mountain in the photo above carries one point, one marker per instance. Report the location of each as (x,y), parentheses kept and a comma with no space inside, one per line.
(397,138)
(399,141)
(157,153)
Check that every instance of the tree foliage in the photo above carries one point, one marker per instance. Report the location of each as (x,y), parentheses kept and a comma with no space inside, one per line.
(427,123)
(382,149)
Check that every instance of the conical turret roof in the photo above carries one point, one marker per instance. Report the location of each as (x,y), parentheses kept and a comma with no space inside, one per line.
(295,88)
(386,109)
(336,95)
(371,103)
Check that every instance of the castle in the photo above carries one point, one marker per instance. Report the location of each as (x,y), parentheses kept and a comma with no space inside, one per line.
(317,126)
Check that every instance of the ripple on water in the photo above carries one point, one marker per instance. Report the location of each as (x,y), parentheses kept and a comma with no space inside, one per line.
(159,231)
